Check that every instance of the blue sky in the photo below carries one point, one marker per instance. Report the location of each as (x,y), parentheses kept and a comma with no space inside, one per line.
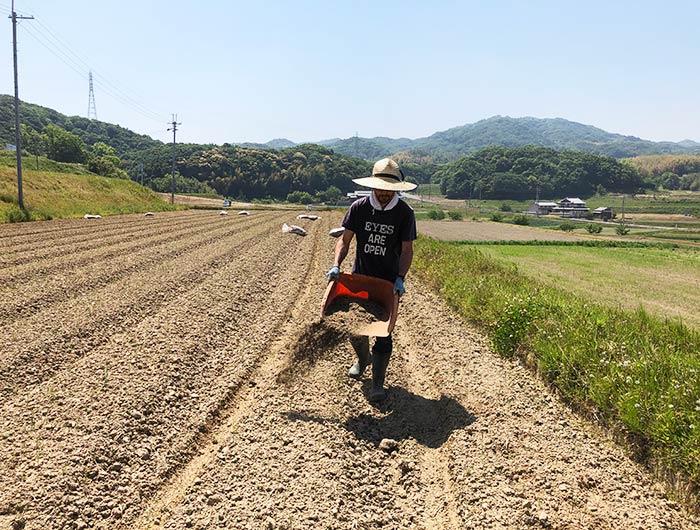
(310,70)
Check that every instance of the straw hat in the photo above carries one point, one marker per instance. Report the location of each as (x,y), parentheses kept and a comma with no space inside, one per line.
(386,175)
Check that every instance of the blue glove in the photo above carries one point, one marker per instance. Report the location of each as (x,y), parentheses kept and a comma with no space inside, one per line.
(398,286)
(333,273)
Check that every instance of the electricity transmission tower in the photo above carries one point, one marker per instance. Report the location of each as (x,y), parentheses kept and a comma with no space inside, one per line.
(18,137)
(92,110)
(174,124)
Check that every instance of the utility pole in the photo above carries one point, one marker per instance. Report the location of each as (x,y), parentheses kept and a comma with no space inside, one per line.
(18,139)
(174,124)
(139,176)
(623,208)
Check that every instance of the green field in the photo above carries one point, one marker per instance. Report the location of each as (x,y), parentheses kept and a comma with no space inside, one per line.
(674,202)
(665,282)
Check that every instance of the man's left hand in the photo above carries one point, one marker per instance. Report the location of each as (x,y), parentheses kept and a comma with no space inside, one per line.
(399,287)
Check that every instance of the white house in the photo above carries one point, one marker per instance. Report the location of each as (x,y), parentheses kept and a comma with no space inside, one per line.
(571,207)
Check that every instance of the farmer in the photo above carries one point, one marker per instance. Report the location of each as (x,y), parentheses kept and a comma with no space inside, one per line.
(385,227)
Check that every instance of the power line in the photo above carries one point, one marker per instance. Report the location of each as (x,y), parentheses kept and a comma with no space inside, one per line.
(38,37)
(70,63)
(60,49)
(77,68)
(61,43)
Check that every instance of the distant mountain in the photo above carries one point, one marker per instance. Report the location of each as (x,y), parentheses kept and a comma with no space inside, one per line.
(505,131)
(556,133)
(277,143)
(369,148)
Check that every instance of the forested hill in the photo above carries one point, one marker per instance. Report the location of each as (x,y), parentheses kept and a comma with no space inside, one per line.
(369,148)
(90,131)
(303,173)
(525,172)
(443,146)
(504,131)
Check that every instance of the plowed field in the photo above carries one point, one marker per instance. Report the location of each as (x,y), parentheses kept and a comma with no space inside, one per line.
(169,372)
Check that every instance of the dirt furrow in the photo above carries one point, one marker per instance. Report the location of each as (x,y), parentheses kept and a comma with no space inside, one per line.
(22,235)
(54,247)
(38,346)
(69,278)
(438,496)
(304,453)
(35,268)
(245,402)
(159,384)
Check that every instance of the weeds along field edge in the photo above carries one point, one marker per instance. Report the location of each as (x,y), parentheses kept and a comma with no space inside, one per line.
(635,372)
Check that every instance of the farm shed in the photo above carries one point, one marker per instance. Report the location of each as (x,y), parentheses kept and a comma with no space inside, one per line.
(541,208)
(604,213)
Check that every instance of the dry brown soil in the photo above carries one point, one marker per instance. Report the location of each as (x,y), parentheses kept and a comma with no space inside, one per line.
(190,200)
(172,372)
(490,231)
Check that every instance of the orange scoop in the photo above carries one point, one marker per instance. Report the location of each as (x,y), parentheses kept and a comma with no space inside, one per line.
(366,288)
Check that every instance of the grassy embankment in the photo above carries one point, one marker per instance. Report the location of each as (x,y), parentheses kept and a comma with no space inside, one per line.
(68,190)
(636,372)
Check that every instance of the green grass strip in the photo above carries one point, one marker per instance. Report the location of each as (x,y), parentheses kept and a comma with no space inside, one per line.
(602,243)
(635,371)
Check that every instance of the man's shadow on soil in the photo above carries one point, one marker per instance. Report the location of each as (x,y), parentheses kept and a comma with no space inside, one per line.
(406,415)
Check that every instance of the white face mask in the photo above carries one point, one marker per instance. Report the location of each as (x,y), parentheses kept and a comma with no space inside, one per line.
(378,206)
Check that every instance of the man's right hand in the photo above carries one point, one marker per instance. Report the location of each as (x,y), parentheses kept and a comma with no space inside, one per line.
(333,274)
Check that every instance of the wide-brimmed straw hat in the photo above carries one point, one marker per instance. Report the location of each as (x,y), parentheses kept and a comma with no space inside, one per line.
(386,175)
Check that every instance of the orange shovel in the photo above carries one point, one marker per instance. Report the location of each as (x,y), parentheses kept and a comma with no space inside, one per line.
(366,288)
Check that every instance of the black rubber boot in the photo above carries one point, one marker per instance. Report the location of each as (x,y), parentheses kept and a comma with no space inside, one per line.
(361,346)
(381,352)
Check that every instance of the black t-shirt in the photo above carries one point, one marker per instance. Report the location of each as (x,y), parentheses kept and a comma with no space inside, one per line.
(379,234)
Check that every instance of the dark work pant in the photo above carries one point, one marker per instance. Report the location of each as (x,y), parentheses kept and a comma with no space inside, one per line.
(383,345)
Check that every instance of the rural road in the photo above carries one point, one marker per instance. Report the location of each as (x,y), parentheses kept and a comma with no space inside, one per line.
(171,372)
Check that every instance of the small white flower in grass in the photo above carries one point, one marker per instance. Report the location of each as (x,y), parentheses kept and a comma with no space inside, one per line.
(637,405)
(670,405)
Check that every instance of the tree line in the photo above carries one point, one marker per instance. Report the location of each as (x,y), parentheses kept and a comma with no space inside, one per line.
(309,172)
(62,146)
(526,172)
(672,172)
(304,172)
